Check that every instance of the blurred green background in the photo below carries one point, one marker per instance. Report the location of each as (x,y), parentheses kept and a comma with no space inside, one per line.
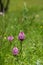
(18,4)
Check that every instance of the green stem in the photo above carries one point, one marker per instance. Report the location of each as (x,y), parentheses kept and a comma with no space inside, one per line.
(16,60)
(21,49)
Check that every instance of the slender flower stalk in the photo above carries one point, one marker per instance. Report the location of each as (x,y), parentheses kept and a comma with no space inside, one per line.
(15,52)
(21,37)
(21,49)
(10,39)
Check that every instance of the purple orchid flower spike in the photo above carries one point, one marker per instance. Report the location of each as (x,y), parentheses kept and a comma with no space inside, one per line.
(21,36)
(15,51)
(10,38)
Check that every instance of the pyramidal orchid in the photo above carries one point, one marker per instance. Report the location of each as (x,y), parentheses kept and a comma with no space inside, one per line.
(15,51)
(21,36)
(10,38)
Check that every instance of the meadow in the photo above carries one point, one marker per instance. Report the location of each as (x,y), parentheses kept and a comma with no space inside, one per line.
(26,16)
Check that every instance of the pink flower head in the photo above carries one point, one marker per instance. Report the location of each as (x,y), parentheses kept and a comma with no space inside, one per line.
(21,36)
(10,38)
(15,51)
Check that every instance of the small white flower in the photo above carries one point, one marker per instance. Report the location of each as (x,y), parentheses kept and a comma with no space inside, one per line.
(15,19)
(37,16)
(38,62)
(12,27)
(25,4)
(1,13)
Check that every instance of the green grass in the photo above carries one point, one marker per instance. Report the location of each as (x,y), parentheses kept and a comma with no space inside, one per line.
(18,5)
(29,20)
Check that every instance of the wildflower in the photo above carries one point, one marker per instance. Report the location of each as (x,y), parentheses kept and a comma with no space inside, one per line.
(15,51)
(11,27)
(38,62)
(37,16)
(4,37)
(25,4)
(1,13)
(41,26)
(21,36)
(10,38)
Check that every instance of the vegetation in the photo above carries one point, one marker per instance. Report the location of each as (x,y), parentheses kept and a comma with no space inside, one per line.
(26,16)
